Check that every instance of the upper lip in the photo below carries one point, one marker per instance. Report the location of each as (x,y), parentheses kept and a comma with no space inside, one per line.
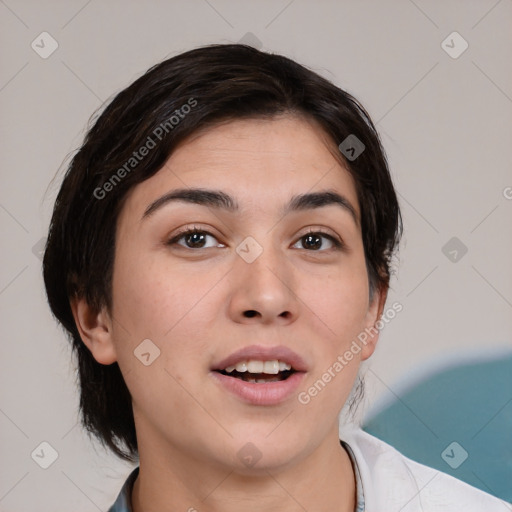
(262,353)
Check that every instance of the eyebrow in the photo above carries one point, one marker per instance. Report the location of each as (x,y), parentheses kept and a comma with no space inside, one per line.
(220,200)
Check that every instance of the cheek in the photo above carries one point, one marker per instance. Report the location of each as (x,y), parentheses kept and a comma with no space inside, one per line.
(153,301)
(165,303)
(340,301)
(338,311)
(148,295)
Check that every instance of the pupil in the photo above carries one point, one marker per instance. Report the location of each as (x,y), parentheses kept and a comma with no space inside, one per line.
(195,242)
(316,245)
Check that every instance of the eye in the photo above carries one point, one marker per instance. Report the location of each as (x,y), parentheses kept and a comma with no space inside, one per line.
(313,241)
(194,238)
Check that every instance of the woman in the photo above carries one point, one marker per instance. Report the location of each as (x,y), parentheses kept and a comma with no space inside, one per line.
(220,255)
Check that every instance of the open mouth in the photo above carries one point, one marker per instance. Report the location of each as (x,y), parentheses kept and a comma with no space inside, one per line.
(262,376)
(259,371)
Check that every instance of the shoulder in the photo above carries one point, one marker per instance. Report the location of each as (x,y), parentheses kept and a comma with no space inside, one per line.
(392,482)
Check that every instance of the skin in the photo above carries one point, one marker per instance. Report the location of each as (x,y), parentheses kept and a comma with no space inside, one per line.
(191,301)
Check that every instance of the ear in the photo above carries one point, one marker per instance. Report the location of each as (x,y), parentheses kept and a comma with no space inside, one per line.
(95,329)
(373,315)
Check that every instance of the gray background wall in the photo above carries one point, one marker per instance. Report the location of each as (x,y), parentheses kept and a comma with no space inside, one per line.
(446,125)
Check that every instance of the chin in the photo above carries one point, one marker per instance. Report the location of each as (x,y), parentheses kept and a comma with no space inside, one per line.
(264,450)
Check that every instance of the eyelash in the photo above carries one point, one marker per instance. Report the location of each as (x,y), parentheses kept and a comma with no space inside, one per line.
(338,245)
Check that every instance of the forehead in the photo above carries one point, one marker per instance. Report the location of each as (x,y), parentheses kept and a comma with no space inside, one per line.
(260,162)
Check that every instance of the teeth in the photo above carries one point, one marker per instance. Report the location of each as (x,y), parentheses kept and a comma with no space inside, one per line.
(261,381)
(241,367)
(254,366)
(271,367)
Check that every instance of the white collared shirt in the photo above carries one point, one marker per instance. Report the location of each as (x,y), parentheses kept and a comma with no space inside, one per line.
(393,483)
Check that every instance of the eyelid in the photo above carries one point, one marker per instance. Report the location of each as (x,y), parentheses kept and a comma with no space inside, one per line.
(186,230)
(338,242)
(321,230)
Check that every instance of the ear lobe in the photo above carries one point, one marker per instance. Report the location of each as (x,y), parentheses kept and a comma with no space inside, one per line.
(95,329)
(373,315)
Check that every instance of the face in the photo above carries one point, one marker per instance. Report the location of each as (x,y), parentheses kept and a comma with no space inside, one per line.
(262,285)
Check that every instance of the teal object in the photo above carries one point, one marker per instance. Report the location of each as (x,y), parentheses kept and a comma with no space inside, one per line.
(458,421)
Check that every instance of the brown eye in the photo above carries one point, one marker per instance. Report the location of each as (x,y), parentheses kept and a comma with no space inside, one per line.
(315,241)
(193,239)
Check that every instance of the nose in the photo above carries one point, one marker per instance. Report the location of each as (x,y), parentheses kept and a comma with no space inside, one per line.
(262,292)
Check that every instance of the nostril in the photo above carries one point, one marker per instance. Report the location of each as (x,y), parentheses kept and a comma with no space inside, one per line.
(250,313)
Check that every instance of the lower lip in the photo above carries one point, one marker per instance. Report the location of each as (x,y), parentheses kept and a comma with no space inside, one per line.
(261,393)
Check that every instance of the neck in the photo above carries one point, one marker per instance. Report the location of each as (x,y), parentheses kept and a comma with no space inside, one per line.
(170,481)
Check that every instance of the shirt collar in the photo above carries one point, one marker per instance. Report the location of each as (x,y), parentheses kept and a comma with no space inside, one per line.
(123,502)
(360,506)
